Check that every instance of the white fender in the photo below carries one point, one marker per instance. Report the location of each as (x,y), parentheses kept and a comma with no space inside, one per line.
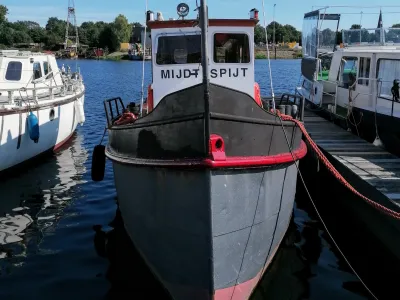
(79,110)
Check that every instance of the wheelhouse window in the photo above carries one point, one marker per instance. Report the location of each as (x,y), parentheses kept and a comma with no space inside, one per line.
(365,65)
(14,71)
(37,70)
(349,69)
(181,49)
(47,70)
(388,72)
(231,48)
(324,67)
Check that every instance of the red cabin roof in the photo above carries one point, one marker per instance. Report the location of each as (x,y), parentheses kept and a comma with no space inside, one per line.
(211,22)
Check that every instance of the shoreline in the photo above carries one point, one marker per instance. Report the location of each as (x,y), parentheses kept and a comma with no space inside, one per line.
(258,54)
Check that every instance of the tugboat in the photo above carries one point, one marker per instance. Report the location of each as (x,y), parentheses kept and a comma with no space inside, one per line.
(40,105)
(204,169)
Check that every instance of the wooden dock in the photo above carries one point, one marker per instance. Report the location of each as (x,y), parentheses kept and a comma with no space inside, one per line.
(371,164)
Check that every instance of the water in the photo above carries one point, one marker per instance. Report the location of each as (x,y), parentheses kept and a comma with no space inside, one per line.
(61,208)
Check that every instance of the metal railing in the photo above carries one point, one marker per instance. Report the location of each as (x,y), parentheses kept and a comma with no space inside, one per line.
(68,86)
(287,99)
(371,37)
(375,95)
(109,106)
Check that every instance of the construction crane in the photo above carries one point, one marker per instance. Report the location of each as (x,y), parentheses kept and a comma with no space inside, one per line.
(71,21)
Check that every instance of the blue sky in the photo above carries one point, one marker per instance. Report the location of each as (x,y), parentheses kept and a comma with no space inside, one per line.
(287,11)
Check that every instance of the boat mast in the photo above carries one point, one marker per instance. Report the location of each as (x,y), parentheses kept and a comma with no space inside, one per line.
(204,64)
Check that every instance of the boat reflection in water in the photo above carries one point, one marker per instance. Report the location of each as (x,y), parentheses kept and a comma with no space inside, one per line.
(129,274)
(33,200)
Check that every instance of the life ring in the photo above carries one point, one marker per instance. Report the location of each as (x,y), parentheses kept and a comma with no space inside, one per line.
(257,95)
(126,118)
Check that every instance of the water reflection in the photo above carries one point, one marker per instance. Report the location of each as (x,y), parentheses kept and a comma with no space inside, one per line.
(127,272)
(294,273)
(34,198)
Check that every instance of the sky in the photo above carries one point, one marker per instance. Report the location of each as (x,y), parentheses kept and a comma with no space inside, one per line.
(286,11)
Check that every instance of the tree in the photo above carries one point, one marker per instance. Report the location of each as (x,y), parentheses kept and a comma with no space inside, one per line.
(83,36)
(21,37)
(327,38)
(137,24)
(283,33)
(6,35)
(358,36)
(396,25)
(3,14)
(52,41)
(38,34)
(259,34)
(339,37)
(121,29)
(56,27)
(108,38)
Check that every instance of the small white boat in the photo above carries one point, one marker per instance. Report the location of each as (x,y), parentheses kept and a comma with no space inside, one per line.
(40,105)
(355,83)
(136,55)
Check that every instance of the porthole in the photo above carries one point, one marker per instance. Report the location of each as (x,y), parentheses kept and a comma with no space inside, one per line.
(52,113)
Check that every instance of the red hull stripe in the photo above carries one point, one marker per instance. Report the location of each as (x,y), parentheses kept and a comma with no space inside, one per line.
(60,144)
(229,162)
(244,290)
(253,161)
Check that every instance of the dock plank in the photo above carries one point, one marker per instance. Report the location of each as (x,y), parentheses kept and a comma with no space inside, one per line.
(372,164)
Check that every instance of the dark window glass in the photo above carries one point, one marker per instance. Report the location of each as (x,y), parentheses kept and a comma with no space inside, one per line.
(14,71)
(363,72)
(349,70)
(231,48)
(37,71)
(182,49)
(46,68)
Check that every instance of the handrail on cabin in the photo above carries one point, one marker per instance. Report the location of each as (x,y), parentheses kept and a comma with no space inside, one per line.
(62,88)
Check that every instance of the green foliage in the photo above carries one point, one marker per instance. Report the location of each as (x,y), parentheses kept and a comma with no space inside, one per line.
(6,35)
(283,33)
(93,34)
(355,26)
(259,34)
(121,30)
(3,14)
(396,25)
(260,56)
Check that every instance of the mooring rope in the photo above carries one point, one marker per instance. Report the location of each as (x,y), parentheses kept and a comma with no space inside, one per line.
(335,172)
(319,153)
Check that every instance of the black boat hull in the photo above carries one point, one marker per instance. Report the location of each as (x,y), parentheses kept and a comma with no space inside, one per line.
(206,231)
(206,189)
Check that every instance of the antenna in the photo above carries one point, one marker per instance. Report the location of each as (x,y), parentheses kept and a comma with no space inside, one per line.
(71,20)
(204,64)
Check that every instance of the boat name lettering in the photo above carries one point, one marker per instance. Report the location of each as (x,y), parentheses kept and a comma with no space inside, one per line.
(182,73)
(214,73)
(235,72)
